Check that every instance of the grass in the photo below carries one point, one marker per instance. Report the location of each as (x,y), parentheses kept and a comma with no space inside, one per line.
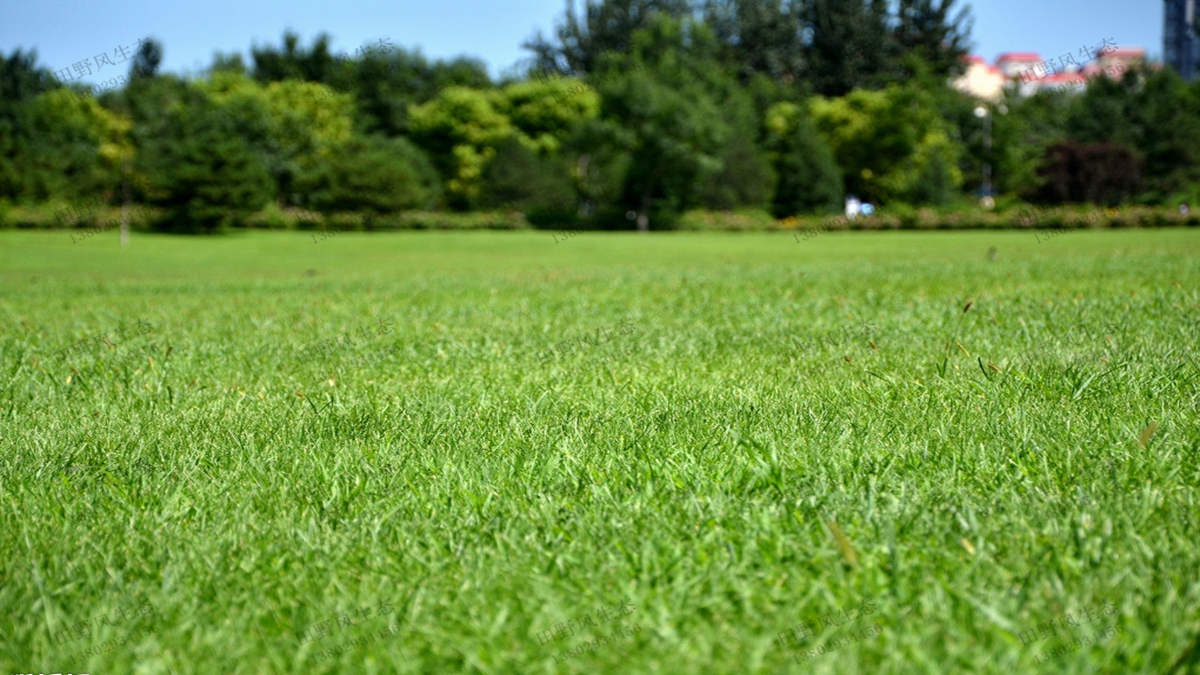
(492,434)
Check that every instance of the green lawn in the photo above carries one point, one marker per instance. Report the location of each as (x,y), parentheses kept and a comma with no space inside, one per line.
(210,446)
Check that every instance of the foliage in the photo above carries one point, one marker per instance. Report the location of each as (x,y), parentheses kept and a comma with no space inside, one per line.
(461,129)
(1098,173)
(21,81)
(606,27)
(678,109)
(377,175)
(69,146)
(809,179)
(1151,111)
(931,37)
(745,179)
(889,144)
(827,46)
(292,126)
(760,38)
(204,175)
(291,61)
(849,45)
(383,79)
(146,60)
(545,114)
(518,178)
(638,112)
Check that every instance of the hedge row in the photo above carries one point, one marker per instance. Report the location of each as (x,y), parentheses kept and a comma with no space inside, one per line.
(148,219)
(927,219)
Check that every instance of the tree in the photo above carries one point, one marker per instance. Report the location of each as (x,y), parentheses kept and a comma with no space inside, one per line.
(21,81)
(675,110)
(461,130)
(607,26)
(540,186)
(925,33)
(809,178)
(383,79)
(146,61)
(68,147)
(745,179)
(294,62)
(1153,112)
(149,103)
(292,126)
(1020,138)
(889,144)
(827,46)
(849,45)
(202,172)
(762,37)
(546,113)
(373,174)
(1097,173)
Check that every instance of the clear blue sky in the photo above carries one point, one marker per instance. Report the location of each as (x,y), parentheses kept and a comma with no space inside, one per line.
(68,31)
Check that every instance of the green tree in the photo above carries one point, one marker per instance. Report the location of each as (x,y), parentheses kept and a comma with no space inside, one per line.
(386,83)
(202,172)
(927,32)
(294,62)
(890,144)
(374,174)
(1020,138)
(1153,112)
(761,37)
(21,81)
(676,110)
(461,130)
(69,146)
(539,185)
(148,104)
(849,45)
(809,178)
(606,27)
(827,46)
(293,126)
(546,113)
(146,61)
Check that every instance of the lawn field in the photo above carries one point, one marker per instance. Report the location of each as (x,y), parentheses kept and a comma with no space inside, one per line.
(491,452)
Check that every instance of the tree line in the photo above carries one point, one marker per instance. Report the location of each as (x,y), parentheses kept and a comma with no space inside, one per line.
(630,113)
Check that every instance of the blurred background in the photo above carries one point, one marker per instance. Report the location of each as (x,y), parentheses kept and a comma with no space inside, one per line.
(606,114)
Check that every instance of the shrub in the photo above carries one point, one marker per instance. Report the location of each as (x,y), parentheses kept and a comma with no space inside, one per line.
(517,178)
(205,177)
(1098,173)
(372,175)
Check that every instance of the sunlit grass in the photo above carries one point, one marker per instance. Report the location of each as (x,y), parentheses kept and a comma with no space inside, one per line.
(495,434)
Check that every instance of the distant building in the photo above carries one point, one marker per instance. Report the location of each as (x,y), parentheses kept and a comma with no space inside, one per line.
(1181,44)
(1013,64)
(1115,62)
(980,80)
(1028,74)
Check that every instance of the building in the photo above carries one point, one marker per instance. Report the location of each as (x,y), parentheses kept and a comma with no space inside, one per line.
(980,79)
(1015,64)
(1181,44)
(1012,63)
(1115,62)
(1028,74)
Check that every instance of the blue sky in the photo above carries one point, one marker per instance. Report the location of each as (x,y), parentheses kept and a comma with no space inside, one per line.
(68,31)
